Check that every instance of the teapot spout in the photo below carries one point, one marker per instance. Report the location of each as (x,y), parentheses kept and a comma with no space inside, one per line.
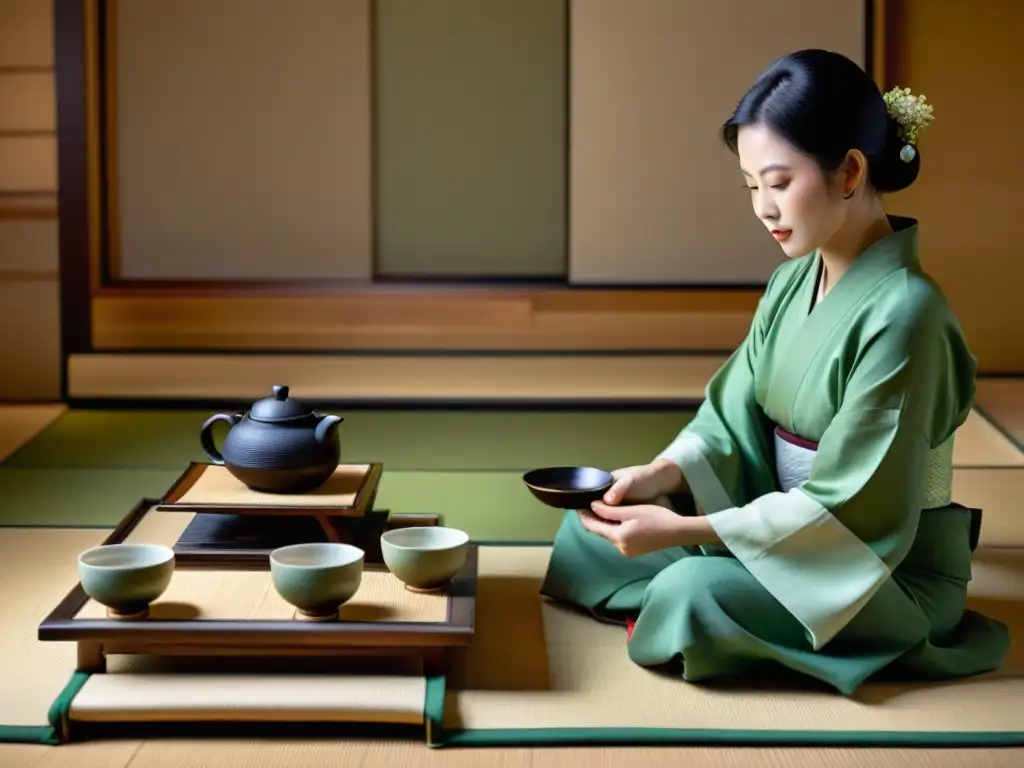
(326,428)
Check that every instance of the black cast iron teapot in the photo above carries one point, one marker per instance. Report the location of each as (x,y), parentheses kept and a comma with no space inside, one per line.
(279,446)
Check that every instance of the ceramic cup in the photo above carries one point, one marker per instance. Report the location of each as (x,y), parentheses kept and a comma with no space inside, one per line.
(568,487)
(317,578)
(424,558)
(126,578)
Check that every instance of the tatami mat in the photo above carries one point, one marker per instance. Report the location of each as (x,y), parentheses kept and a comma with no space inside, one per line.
(76,497)
(38,567)
(90,467)
(539,667)
(425,440)
(447,441)
(31,498)
(515,674)
(20,423)
(490,506)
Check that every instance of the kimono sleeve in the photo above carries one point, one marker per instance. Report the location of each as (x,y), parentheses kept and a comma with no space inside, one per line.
(824,548)
(724,452)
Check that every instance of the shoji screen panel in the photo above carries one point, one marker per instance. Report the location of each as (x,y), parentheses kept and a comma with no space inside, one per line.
(471,132)
(26,33)
(29,284)
(655,197)
(28,163)
(28,154)
(26,101)
(242,147)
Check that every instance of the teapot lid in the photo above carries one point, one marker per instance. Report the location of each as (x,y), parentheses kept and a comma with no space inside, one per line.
(279,407)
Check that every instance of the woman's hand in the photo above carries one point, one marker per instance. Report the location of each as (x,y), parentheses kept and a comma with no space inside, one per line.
(644,482)
(641,528)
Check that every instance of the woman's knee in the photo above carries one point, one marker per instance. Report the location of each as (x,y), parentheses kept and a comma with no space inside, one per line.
(706,580)
(695,576)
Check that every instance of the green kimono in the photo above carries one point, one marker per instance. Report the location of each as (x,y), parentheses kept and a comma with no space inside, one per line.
(841,559)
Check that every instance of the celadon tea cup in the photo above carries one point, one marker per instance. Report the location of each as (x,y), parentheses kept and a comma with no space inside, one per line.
(317,578)
(424,558)
(126,578)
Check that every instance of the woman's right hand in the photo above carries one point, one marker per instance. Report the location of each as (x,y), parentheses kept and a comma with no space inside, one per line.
(644,483)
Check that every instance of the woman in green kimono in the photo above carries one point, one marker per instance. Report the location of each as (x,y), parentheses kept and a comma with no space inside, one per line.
(825,539)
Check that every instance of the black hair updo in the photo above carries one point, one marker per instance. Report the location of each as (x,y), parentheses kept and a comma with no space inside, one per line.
(825,105)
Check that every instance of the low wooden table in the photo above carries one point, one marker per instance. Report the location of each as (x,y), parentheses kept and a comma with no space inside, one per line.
(217,607)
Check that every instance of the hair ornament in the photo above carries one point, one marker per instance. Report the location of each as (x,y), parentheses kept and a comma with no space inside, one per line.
(911,114)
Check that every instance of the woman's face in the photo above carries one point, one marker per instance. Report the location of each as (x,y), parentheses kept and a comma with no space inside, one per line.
(789,192)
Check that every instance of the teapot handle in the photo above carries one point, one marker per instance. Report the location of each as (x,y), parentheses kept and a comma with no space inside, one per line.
(206,436)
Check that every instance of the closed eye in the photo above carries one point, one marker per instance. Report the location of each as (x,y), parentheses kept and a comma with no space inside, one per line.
(779,187)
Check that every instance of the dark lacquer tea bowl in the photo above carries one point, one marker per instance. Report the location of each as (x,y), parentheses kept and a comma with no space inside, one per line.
(568,487)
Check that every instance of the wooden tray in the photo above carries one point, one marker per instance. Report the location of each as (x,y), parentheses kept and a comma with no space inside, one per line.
(216,610)
(342,509)
(346,497)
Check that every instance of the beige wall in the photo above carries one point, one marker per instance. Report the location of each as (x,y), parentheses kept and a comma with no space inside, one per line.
(655,196)
(243,140)
(966,58)
(470,135)
(29,296)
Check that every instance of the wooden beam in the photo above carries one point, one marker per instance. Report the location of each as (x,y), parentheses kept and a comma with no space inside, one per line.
(574,379)
(482,319)
(73,47)
(877,34)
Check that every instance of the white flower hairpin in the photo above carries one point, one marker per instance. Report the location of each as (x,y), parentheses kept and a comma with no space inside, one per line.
(911,113)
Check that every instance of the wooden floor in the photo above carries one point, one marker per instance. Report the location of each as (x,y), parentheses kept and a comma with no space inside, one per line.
(1002,400)
(313,754)
(376,378)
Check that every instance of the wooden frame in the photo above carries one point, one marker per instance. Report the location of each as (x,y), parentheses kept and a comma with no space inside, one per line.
(96,638)
(101,314)
(881,46)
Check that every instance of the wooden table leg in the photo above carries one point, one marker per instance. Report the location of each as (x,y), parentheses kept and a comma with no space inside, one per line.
(91,658)
(363,532)
(370,529)
(335,529)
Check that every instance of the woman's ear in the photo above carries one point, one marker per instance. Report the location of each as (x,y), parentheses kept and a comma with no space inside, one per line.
(852,173)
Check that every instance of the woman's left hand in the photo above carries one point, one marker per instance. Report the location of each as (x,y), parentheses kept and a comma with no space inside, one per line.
(637,529)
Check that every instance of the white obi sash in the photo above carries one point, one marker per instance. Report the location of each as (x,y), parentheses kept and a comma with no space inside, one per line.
(794,456)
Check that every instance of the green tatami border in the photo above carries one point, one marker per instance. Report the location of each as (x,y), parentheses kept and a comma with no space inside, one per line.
(638,737)
(45,735)
(58,730)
